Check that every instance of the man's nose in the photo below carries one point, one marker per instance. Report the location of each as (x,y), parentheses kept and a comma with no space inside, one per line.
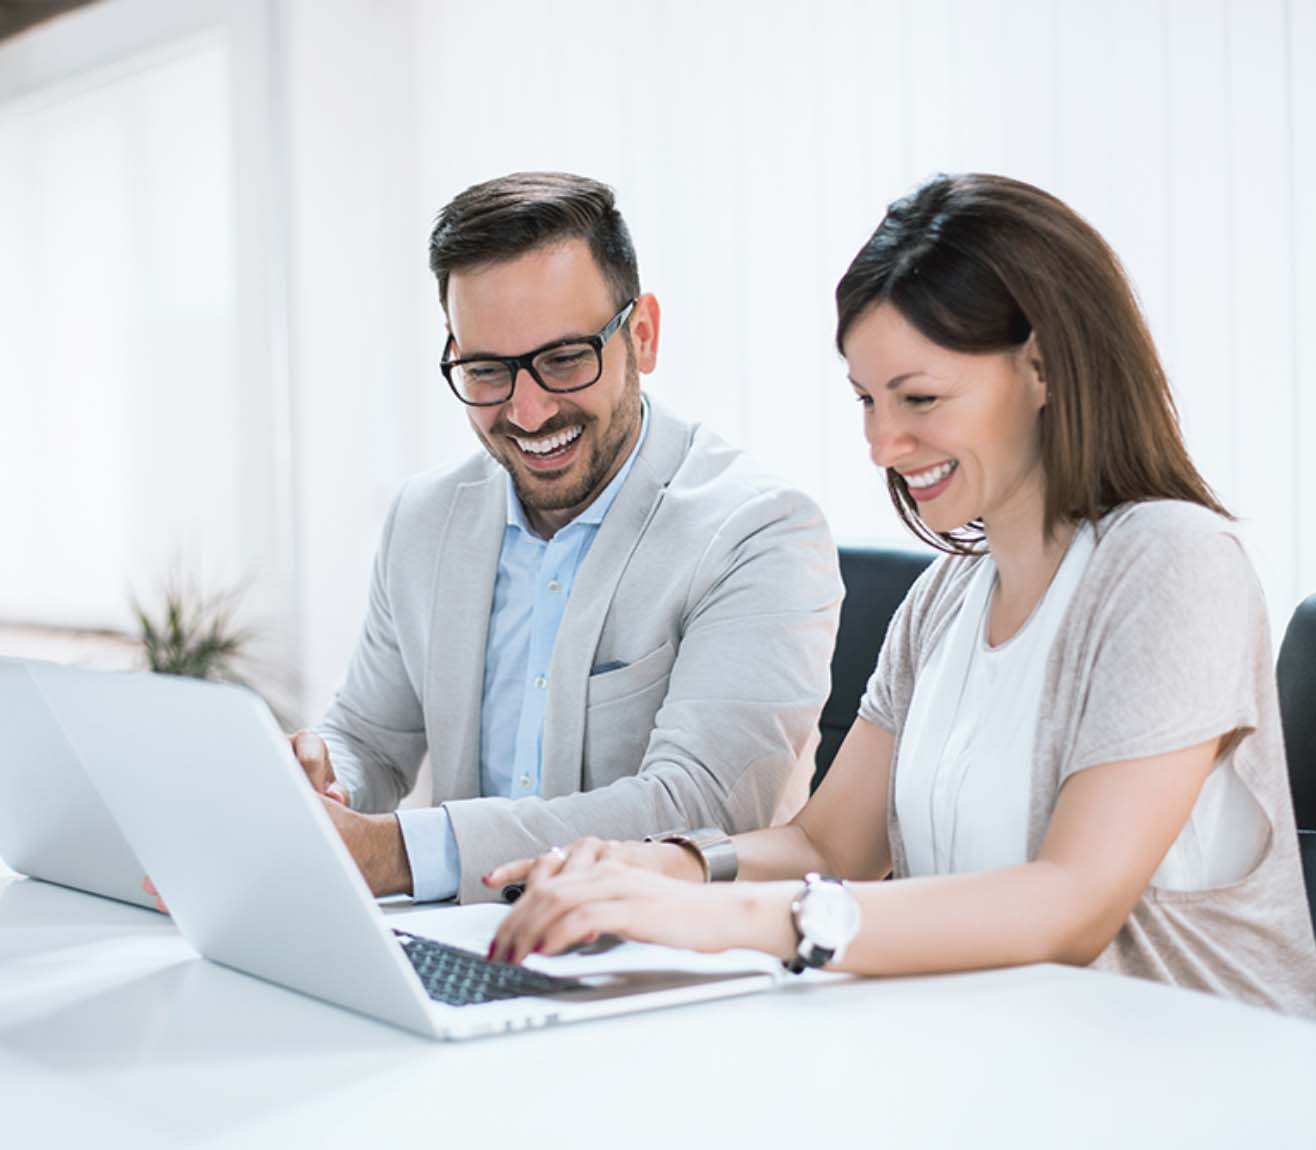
(530,406)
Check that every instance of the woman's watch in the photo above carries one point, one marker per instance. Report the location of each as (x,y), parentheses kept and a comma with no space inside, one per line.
(711,845)
(826,917)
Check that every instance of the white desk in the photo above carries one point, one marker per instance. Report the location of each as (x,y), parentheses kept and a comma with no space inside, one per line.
(114,1033)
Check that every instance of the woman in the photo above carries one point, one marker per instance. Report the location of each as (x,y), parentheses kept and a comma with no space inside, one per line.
(1070,749)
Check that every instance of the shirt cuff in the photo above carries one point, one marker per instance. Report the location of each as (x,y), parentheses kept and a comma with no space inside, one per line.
(432,853)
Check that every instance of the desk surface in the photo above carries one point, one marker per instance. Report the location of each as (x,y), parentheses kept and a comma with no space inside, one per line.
(113,1032)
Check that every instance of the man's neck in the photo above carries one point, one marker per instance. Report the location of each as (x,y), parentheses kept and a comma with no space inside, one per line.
(547,522)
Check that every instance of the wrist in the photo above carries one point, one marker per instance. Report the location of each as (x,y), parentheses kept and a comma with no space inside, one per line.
(764,911)
(679,862)
(390,869)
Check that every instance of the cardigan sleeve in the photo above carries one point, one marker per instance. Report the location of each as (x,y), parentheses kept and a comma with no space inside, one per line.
(1173,650)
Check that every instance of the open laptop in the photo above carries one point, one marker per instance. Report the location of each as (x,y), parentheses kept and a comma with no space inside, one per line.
(206,789)
(53,824)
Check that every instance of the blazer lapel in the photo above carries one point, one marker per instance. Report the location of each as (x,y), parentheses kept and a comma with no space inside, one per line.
(466,568)
(591,596)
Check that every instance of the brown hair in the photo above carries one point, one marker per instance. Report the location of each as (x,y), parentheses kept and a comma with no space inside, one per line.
(512,215)
(978,263)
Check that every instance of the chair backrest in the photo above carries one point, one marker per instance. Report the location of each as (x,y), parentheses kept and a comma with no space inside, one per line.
(1296,672)
(876,580)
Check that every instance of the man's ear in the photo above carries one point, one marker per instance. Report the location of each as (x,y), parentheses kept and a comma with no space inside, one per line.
(645,323)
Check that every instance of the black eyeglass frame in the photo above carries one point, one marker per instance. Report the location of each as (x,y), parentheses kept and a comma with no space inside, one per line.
(516,363)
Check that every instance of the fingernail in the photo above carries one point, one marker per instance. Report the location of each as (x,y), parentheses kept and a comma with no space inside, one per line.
(538,947)
(485,879)
(489,955)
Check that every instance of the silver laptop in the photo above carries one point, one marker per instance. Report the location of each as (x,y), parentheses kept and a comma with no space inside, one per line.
(53,824)
(206,789)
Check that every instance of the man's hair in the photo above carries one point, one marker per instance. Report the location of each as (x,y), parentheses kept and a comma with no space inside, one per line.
(512,215)
(978,263)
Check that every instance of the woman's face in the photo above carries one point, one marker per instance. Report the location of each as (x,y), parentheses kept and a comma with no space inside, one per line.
(962,429)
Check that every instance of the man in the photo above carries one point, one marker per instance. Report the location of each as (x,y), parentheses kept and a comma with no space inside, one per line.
(604,624)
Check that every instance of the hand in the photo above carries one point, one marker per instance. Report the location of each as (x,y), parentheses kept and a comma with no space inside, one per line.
(313,756)
(660,858)
(612,898)
(375,843)
(149,887)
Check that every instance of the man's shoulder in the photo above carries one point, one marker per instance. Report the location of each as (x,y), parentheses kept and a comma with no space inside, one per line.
(436,487)
(716,481)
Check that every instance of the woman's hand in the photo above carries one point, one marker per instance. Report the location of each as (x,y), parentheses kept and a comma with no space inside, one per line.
(587,853)
(609,897)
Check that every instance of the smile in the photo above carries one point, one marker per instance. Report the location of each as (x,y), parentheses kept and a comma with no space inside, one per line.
(549,444)
(931,476)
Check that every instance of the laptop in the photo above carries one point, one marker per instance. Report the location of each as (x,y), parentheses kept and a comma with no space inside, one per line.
(53,824)
(206,789)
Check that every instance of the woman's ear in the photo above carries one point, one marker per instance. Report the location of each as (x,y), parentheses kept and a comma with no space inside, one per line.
(1034,369)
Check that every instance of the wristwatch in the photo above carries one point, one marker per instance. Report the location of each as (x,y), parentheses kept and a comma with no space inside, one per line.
(716,851)
(826,918)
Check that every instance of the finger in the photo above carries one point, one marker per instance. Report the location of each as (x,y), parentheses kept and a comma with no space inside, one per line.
(585,923)
(338,793)
(313,756)
(584,855)
(546,866)
(529,921)
(148,885)
(514,871)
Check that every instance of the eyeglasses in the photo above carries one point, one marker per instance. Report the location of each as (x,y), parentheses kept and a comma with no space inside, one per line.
(565,365)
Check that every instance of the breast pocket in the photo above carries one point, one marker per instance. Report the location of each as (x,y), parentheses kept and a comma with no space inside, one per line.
(620,711)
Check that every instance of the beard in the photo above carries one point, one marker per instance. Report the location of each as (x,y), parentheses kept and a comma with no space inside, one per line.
(605,450)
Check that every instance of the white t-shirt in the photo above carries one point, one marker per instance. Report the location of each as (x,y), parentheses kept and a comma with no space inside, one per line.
(964,773)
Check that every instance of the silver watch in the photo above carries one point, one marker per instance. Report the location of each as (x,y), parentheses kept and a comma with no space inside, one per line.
(826,917)
(716,851)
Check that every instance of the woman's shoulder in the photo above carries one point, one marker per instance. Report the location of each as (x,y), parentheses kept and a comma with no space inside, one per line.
(1171,547)
(1165,530)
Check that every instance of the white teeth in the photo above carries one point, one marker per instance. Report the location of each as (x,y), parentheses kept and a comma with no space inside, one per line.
(549,443)
(931,475)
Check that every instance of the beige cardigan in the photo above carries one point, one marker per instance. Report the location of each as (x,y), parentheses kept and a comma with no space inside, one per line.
(1166,644)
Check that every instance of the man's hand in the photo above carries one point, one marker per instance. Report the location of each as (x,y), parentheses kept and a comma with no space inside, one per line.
(375,843)
(313,756)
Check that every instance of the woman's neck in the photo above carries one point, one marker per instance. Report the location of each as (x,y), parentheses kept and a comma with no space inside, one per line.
(1026,562)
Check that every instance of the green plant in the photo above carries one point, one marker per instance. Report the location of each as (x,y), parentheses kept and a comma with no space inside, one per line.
(194,635)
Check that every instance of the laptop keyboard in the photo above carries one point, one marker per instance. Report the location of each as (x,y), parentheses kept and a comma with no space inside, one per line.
(459,978)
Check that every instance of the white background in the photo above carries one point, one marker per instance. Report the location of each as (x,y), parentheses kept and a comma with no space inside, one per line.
(218,333)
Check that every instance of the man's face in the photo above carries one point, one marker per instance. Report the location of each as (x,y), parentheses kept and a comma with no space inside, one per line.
(561,450)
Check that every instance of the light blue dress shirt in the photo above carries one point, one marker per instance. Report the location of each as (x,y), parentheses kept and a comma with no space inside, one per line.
(534,581)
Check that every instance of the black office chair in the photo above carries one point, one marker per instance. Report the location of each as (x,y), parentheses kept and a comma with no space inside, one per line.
(876,580)
(1296,672)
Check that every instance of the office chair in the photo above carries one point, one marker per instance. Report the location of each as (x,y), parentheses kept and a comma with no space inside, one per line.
(876,580)
(1296,672)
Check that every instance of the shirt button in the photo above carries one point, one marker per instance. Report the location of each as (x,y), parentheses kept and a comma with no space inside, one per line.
(554,586)
(525,782)
(541,682)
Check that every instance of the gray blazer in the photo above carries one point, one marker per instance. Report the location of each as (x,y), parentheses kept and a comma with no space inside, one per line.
(708,605)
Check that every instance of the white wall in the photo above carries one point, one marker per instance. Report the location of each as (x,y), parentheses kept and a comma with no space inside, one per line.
(753,147)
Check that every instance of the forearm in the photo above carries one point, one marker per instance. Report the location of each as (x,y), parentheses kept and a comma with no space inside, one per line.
(995,918)
(777,853)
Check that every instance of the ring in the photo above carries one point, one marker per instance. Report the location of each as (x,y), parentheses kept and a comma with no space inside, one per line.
(557,852)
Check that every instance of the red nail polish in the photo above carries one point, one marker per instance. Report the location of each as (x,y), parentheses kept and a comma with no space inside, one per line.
(490,953)
(539,946)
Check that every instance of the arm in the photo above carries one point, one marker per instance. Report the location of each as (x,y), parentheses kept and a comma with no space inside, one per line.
(742,700)
(840,831)
(1064,907)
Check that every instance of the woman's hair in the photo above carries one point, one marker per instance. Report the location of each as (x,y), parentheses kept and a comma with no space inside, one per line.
(977,263)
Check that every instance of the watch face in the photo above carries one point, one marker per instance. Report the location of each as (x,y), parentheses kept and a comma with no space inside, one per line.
(829,916)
